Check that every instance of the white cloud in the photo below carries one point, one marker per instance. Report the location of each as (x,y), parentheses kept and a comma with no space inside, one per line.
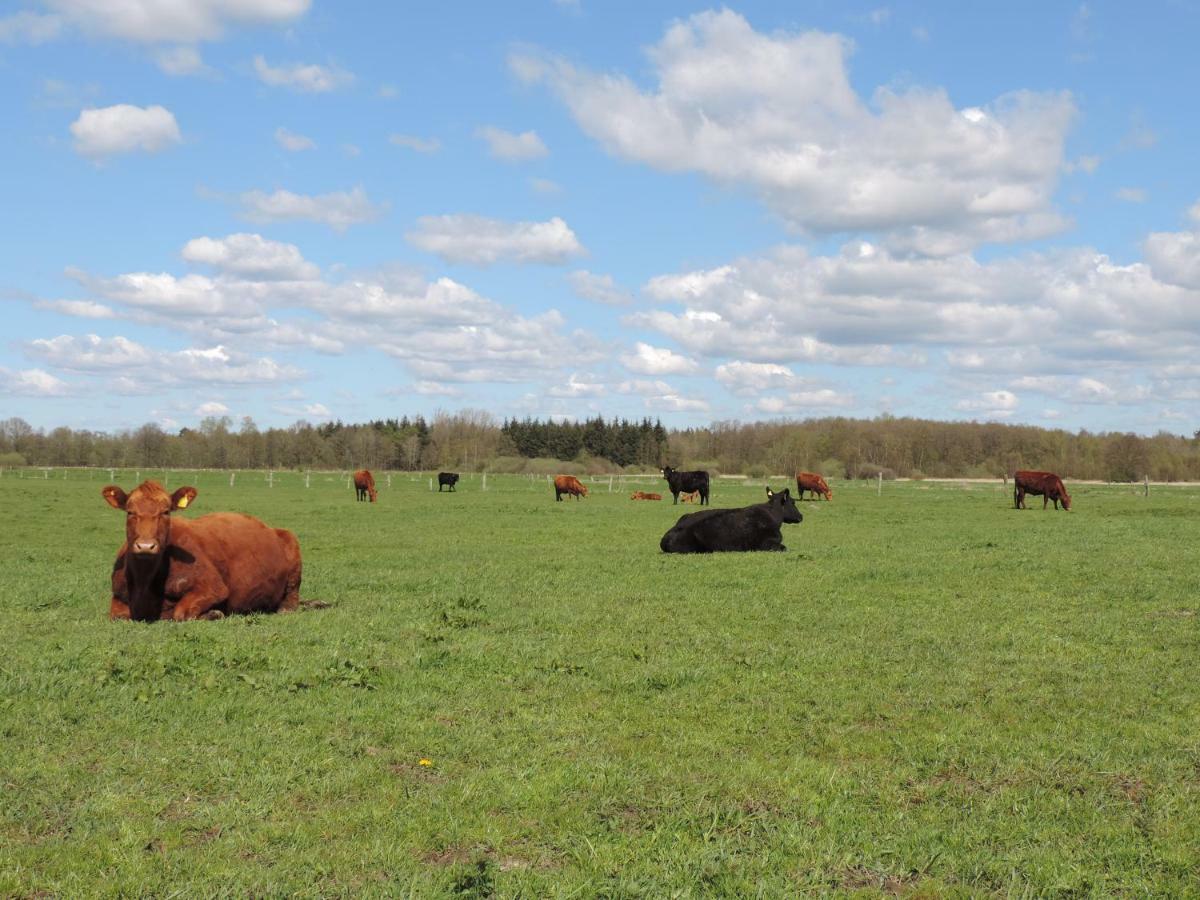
(338,209)
(752,378)
(318,410)
(212,408)
(801,402)
(598,288)
(649,360)
(999,404)
(124,129)
(579,386)
(661,397)
(545,186)
(147,367)
(84,309)
(1174,257)
(777,112)
(32,383)
(512,147)
(482,241)
(308,78)
(419,144)
(27,27)
(1131,195)
(292,142)
(251,256)
(182,60)
(173,21)
(436,389)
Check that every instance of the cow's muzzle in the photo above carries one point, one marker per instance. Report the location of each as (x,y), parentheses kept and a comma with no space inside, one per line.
(144,548)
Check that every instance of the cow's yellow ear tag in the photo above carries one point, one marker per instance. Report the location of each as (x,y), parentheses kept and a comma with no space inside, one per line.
(183,502)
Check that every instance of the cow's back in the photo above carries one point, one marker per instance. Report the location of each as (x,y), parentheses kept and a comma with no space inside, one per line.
(260,565)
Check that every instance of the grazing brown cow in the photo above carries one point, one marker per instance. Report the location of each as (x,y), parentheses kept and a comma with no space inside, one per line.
(642,495)
(811,481)
(1047,485)
(364,485)
(568,484)
(200,568)
(690,497)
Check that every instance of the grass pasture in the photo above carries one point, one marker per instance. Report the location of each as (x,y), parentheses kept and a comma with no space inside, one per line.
(930,694)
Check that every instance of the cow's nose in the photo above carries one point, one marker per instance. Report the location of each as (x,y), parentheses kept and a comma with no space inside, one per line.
(145,546)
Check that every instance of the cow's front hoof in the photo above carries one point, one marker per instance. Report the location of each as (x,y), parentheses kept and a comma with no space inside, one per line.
(212,615)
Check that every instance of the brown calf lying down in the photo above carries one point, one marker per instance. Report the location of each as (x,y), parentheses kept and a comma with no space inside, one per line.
(642,495)
(690,497)
(208,567)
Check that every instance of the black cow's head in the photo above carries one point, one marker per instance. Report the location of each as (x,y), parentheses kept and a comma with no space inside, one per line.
(786,505)
(148,515)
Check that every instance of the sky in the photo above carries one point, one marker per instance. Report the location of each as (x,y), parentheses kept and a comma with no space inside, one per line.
(298,209)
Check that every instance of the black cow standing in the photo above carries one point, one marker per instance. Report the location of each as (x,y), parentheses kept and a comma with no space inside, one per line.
(754,527)
(447,478)
(686,482)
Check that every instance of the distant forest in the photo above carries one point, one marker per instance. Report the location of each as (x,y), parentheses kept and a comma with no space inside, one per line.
(474,440)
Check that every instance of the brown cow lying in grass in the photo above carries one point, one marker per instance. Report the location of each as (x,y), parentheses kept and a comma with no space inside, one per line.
(690,497)
(642,495)
(200,568)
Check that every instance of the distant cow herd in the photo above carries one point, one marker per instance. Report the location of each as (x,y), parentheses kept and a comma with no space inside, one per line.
(224,563)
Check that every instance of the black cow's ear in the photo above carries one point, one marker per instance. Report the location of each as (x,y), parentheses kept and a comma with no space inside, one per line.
(114,496)
(770,493)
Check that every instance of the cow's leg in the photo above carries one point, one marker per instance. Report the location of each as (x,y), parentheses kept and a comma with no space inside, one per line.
(118,609)
(675,494)
(195,604)
(558,495)
(291,593)
(704,497)
(1045,500)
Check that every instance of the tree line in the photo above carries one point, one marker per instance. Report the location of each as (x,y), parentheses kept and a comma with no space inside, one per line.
(473,440)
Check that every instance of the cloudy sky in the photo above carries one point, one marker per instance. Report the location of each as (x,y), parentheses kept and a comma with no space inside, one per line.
(299,209)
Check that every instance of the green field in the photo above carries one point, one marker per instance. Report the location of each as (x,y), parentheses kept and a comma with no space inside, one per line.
(930,693)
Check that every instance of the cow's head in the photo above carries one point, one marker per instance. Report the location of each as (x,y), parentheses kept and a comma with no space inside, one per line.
(786,505)
(828,493)
(667,472)
(1064,497)
(148,515)
(371,493)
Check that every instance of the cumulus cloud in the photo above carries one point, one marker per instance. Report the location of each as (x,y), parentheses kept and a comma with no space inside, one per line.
(660,397)
(649,360)
(251,256)
(337,209)
(171,21)
(1174,257)
(212,365)
(123,129)
(598,288)
(481,241)
(419,144)
(212,408)
(752,378)
(512,147)
(990,404)
(804,402)
(181,60)
(306,77)
(1131,195)
(84,309)
(777,112)
(579,386)
(32,383)
(293,142)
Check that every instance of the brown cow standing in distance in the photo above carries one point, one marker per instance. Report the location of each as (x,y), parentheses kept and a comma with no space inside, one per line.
(364,485)
(208,567)
(811,481)
(568,484)
(1047,485)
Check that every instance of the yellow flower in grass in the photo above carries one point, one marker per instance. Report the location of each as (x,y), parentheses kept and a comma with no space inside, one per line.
(424,762)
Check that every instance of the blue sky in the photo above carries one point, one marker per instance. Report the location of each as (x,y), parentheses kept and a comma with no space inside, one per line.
(294,209)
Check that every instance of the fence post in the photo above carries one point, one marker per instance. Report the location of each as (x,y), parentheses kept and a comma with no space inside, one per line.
(389,479)
(430,484)
(880,491)
(270,479)
(232,475)
(307,476)
(484,480)
(610,484)
(1147,483)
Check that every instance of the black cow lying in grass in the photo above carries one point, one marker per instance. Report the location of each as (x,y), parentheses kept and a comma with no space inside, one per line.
(754,527)
(687,482)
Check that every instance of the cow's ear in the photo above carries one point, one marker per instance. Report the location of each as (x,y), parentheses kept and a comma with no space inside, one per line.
(114,496)
(182,497)
(770,493)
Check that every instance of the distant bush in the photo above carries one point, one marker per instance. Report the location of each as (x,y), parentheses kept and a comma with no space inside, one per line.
(12,458)
(755,471)
(540,465)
